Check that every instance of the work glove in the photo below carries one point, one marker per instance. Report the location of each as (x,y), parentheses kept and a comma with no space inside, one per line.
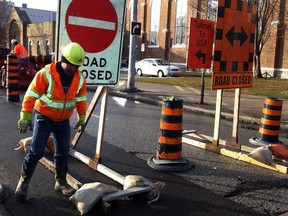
(81,123)
(25,122)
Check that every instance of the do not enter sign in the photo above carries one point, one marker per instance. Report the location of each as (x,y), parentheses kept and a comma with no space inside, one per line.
(97,25)
(91,24)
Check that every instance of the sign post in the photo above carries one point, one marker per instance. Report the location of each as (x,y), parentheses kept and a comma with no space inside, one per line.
(98,27)
(200,48)
(233,57)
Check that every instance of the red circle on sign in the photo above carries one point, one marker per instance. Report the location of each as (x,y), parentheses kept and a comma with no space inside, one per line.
(92,24)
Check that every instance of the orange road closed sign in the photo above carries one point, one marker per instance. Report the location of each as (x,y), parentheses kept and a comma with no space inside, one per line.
(234,45)
(200,43)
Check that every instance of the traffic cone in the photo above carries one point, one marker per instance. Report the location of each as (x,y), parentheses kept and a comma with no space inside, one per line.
(13,94)
(169,151)
(270,123)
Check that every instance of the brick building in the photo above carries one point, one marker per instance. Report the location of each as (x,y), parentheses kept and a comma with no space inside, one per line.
(34,28)
(165,30)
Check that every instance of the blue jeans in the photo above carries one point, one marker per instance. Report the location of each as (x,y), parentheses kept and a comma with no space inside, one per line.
(21,62)
(43,127)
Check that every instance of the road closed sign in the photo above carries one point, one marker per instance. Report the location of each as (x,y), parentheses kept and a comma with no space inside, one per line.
(98,27)
(234,45)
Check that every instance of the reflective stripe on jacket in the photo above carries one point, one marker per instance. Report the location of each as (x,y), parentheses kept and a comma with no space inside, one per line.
(20,51)
(46,95)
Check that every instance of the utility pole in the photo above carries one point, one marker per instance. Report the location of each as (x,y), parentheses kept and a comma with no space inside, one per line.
(132,50)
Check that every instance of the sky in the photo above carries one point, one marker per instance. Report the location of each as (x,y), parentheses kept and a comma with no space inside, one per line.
(37,4)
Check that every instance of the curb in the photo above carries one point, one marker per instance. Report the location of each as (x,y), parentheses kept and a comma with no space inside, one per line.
(151,101)
(224,115)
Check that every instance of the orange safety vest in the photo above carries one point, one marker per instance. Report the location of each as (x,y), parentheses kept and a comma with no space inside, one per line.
(20,51)
(46,95)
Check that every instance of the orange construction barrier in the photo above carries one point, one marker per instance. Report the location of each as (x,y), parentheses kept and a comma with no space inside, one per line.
(41,59)
(270,122)
(13,94)
(170,139)
(169,151)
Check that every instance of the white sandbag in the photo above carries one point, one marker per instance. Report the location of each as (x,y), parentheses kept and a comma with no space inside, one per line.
(25,144)
(131,181)
(262,154)
(89,194)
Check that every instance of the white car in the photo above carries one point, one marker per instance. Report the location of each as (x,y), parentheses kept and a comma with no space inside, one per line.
(156,67)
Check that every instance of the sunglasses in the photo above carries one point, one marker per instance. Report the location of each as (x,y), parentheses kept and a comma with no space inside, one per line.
(74,66)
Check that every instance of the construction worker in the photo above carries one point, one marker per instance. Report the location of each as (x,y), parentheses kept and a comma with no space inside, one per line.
(54,93)
(21,52)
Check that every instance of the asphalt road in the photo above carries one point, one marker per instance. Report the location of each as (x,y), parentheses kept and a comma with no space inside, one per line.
(215,186)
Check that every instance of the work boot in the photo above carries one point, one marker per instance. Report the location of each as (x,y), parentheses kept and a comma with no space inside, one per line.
(61,183)
(22,187)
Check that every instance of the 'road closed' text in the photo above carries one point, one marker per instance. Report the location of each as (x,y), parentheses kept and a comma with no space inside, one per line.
(225,81)
(96,69)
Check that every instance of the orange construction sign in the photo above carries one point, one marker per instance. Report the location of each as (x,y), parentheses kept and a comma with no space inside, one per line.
(201,39)
(234,45)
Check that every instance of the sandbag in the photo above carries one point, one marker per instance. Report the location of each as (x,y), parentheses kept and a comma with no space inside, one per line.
(89,194)
(25,144)
(279,150)
(50,145)
(131,181)
(262,154)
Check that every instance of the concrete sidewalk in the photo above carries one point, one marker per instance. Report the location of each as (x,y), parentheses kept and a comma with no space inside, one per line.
(250,106)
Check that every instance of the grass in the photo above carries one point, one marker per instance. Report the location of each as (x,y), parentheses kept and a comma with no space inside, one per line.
(271,87)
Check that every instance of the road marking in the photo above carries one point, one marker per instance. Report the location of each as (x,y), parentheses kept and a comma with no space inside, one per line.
(96,116)
(87,22)
(180,88)
(120,101)
(194,90)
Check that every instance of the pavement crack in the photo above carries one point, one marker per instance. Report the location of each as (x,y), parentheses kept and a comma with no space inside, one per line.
(249,186)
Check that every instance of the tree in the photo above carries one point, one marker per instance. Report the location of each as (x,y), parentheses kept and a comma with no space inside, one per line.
(266,18)
(5,11)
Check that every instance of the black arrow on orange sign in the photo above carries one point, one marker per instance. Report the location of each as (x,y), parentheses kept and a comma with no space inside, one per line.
(200,55)
(232,35)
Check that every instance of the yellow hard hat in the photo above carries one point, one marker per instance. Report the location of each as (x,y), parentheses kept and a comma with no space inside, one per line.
(74,53)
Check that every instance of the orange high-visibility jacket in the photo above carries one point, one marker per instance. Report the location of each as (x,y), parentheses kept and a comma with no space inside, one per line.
(20,51)
(46,95)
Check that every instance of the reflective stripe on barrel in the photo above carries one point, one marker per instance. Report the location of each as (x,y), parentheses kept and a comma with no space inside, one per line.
(170,139)
(12,79)
(271,120)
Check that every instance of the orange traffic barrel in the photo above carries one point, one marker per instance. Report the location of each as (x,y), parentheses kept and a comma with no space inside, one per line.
(270,122)
(12,79)
(169,150)
(41,59)
(170,139)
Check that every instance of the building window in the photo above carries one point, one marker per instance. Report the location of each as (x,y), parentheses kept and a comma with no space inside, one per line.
(47,47)
(180,24)
(212,10)
(30,48)
(155,20)
(38,48)
(14,31)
